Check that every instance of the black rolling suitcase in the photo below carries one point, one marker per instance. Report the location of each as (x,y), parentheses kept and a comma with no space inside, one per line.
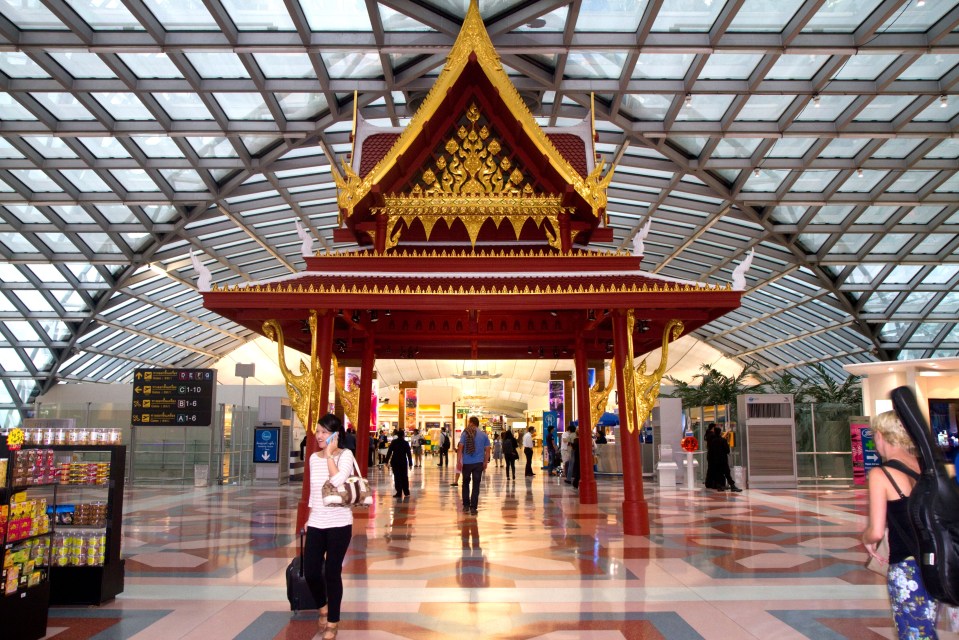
(297,591)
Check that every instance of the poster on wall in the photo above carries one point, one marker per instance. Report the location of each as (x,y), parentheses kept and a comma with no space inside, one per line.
(549,430)
(591,377)
(351,380)
(557,402)
(409,407)
(857,426)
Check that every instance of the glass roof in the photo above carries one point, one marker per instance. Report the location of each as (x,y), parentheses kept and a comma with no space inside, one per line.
(136,133)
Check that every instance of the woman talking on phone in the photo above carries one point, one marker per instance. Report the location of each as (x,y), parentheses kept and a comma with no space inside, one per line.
(329,529)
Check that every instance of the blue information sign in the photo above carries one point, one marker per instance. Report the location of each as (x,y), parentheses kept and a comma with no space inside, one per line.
(870,457)
(266,444)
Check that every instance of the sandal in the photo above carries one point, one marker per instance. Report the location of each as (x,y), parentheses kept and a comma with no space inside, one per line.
(331,631)
(321,620)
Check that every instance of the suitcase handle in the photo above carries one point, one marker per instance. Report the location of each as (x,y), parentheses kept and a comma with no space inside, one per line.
(302,537)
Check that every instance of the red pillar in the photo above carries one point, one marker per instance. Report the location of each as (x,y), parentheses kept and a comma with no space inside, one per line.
(635,508)
(587,480)
(364,411)
(324,357)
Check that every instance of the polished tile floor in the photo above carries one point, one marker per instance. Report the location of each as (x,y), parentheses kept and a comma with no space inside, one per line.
(209,564)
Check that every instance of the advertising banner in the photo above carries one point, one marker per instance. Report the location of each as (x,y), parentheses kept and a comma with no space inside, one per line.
(557,402)
(409,406)
(857,426)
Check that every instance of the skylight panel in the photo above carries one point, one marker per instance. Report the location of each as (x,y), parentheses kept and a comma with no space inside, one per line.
(813,242)
(829,108)
(123,106)
(17,64)
(902,274)
(884,108)
(897,148)
(729,66)
(10,109)
(796,67)
(17,243)
(86,180)
(678,15)
(50,147)
(150,65)
(912,181)
(105,147)
(790,147)
(662,66)
(850,243)
(931,66)
(876,214)
(864,183)
(916,17)
(160,213)
(936,112)
(596,15)
(864,274)
(691,146)
(946,149)
(183,106)
(213,147)
(788,214)
(10,360)
(891,243)
(105,16)
(764,16)
(864,66)
(764,108)
(701,107)
(286,65)
(158,146)
(264,15)
(300,106)
(916,301)
(933,243)
(843,147)
(217,64)
(182,15)
(831,214)
(921,215)
(117,213)
(63,106)
(840,16)
(256,144)
(36,180)
(243,106)
(894,331)
(735,147)
(768,180)
(57,242)
(594,64)
(134,179)
(949,304)
(343,15)
(30,15)
(82,64)
(949,186)
(395,21)
(352,65)
(183,179)
(7,150)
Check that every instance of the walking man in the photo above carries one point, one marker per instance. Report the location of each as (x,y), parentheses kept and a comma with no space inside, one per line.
(444,448)
(528,450)
(474,450)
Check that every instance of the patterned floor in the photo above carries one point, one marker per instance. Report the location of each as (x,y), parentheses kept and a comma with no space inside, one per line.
(208,564)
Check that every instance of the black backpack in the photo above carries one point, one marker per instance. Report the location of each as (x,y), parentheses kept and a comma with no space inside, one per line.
(933,506)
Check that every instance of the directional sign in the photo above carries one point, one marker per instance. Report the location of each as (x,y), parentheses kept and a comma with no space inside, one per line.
(266,444)
(173,397)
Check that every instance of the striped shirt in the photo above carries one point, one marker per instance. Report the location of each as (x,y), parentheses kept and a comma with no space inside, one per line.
(322,516)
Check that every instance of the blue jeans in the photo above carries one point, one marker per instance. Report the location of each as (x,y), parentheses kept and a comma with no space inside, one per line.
(913,611)
(472,475)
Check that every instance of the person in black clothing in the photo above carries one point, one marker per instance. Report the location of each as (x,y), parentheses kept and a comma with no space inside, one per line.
(509,453)
(718,475)
(444,448)
(350,442)
(400,458)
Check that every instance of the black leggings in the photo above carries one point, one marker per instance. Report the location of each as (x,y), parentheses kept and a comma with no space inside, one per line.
(510,466)
(323,565)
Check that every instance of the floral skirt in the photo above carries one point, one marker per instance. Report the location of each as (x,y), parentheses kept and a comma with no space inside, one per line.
(913,611)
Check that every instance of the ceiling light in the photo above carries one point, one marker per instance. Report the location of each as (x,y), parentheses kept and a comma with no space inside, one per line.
(387,313)
(943,101)
(920,3)
(859,173)
(591,315)
(756,172)
(688,101)
(553,313)
(815,101)
(356,317)
(374,316)
(529,351)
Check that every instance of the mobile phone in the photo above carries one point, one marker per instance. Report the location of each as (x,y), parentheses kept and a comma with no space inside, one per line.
(330,438)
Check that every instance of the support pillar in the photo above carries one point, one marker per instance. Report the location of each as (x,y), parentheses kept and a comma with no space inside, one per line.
(324,357)
(365,410)
(635,508)
(587,479)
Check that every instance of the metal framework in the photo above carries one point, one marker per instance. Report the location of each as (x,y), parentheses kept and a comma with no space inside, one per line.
(822,135)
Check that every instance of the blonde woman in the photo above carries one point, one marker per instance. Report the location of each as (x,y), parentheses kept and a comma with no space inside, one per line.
(913,611)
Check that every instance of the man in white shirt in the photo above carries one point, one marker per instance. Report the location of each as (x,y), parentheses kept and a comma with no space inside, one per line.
(528,450)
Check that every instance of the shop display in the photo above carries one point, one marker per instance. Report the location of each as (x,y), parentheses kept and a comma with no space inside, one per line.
(71,436)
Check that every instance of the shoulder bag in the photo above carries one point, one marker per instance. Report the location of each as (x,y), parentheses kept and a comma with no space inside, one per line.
(355,492)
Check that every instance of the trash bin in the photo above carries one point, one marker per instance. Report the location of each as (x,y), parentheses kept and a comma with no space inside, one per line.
(739,476)
(201,475)
(667,474)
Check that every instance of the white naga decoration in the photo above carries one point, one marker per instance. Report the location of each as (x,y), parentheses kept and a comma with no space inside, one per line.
(306,249)
(639,247)
(739,273)
(204,278)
